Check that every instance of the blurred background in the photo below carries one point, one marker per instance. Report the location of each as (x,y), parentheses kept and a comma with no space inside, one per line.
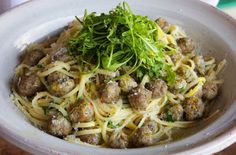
(228,6)
(6,4)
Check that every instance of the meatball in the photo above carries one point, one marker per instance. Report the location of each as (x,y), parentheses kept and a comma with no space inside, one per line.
(32,57)
(200,64)
(173,113)
(158,88)
(193,108)
(143,135)
(210,90)
(60,55)
(127,83)
(84,112)
(94,139)
(139,98)
(105,78)
(59,126)
(118,140)
(60,84)
(152,125)
(110,93)
(164,25)
(29,84)
(186,45)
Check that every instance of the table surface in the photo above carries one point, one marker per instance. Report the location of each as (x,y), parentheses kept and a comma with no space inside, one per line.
(9,149)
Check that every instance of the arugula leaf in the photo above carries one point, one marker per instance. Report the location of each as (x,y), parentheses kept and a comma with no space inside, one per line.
(170,77)
(121,38)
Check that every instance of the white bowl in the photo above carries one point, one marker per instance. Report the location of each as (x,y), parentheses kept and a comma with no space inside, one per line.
(213,30)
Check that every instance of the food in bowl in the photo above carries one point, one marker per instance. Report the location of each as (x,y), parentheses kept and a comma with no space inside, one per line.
(116,80)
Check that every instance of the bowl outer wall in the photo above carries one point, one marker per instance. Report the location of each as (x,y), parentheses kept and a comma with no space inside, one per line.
(19,27)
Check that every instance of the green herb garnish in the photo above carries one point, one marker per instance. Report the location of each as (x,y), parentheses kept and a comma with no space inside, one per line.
(120,38)
(111,125)
(169,116)
(182,89)
(40,66)
(46,109)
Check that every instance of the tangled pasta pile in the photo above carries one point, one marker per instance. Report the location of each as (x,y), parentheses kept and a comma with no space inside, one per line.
(115,80)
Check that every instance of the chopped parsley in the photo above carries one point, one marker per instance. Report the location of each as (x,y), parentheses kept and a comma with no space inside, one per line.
(40,66)
(111,125)
(169,116)
(46,109)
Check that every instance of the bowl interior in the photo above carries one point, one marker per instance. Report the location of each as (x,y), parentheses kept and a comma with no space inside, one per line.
(214,32)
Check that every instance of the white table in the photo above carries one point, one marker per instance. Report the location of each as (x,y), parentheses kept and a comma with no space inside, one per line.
(6,4)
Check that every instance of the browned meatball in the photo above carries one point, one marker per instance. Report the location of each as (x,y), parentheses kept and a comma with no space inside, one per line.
(210,90)
(84,112)
(94,139)
(139,98)
(110,93)
(60,55)
(158,88)
(29,84)
(59,126)
(186,45)
(127,83)
(118,140)
(32,57)
(152,125)
(105,78)
(143,136)
(173,113)
(164,25)
(193,108)
(60,84)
